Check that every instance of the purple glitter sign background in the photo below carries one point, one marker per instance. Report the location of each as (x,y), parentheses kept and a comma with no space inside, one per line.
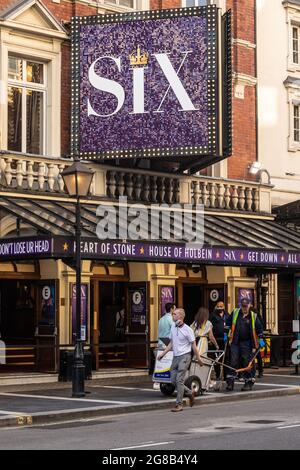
(171,128)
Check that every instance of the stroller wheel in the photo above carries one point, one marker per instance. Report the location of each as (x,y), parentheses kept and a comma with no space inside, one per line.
(194,383)
(167,389)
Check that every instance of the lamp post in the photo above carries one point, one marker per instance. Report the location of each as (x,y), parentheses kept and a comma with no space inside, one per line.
(77,179)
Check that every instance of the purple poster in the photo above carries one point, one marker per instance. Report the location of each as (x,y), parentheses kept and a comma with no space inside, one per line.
(48,303)
(167,295)
(243,293)
(84,308)
(138,305)
(146,84)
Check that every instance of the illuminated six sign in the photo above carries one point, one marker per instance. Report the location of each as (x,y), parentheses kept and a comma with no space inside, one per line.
(146,84)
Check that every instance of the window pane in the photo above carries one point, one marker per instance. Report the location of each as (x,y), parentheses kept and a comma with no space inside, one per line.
(295,33)
(14,131)
(34,124)
(296,123)
(14,68)
(126,3)
(295,46)
(195,3)
(34,72)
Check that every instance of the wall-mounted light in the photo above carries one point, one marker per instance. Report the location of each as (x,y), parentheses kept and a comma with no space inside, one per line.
(257,169)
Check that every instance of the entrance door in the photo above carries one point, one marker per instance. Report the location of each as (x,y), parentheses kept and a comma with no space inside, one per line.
(137,334)
(46,331)
(192,301)
(112,323)
(286,306)
(17,325)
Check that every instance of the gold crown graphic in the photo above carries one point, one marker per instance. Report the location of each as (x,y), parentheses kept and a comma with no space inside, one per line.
(139,59)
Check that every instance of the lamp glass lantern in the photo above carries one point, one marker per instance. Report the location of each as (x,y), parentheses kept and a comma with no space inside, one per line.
(77,179)
(255,168)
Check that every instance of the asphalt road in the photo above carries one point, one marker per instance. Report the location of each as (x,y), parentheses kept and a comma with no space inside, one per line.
(55,398)
(272,423)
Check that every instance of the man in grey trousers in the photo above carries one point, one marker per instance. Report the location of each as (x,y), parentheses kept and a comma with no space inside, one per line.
(182,343)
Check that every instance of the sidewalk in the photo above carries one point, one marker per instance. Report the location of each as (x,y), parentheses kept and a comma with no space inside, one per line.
(46,403)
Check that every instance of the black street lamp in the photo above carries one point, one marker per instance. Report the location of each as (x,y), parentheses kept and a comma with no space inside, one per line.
(77,179)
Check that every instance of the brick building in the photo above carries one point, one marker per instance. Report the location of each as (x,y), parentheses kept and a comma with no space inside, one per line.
(35,76)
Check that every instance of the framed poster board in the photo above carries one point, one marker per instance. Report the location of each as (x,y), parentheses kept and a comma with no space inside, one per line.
(166,295)
(84,311)
(245,293)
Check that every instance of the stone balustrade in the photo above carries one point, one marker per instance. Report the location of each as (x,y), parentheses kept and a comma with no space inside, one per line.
(145,187)
(32,173)
(43,174)
(227,195)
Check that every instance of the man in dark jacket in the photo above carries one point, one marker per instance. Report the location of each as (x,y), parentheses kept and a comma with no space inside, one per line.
(245,337)
(219,319)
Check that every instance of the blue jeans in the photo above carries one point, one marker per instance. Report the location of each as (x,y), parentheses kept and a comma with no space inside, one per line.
(240,356)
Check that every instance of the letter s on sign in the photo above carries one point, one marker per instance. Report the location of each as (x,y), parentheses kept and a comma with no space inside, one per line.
(104,84)
(296,354)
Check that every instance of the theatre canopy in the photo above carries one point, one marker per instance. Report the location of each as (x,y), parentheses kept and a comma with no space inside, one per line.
(228,240)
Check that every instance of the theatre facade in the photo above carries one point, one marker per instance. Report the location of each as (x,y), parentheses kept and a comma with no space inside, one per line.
(243,253)
(149,116)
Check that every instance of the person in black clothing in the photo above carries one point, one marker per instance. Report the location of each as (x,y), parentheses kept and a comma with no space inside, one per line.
(245,337)
(219,319)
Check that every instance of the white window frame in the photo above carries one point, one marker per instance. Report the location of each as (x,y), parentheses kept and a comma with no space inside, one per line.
(297,29)
(293,21)
(25,85)
(41,51)
(296,128)
(118,4)
(196,2)
(137,5)
(219,3)
(293,91)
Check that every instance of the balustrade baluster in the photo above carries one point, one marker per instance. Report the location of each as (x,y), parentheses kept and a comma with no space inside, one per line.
(51,178)
(137,186)
(129,185)
(220,196)
(235,198)
(19,174)
(249,199)
(30,174)
(60,181)
(242,199)
(212,195)
(204,194)
(227,197)
(153,188)
(8,171)
(256,199)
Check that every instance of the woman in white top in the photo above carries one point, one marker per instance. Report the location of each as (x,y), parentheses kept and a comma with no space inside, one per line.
(202,328)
